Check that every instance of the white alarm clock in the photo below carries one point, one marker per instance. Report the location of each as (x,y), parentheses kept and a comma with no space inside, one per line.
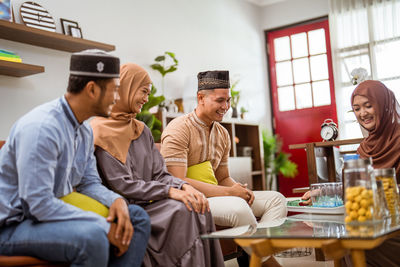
(329,130)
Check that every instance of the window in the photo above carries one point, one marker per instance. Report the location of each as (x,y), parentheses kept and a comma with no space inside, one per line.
(367,35)
(302,70)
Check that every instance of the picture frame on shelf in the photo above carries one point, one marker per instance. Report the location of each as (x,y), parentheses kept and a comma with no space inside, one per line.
(75,31)
(5,10)
(66,23)
(12,14)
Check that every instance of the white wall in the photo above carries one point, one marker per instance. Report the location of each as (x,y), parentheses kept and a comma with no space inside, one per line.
(205,35)
(286,13)
(291,12)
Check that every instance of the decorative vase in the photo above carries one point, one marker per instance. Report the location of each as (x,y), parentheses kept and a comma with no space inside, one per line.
(234,112)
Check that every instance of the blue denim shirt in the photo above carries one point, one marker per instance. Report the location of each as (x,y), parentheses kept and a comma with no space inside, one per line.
(47,154)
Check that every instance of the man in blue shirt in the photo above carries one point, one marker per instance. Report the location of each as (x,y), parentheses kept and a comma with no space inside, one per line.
(48,155)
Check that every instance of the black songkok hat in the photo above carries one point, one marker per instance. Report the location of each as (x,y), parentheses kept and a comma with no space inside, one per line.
(208,80)
(94,63)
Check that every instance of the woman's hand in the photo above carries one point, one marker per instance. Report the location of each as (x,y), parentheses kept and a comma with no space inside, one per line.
(192,198)
(307,197)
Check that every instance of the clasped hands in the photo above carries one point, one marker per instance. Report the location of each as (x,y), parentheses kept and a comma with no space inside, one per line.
(241,190)
(192,198)
(121,229)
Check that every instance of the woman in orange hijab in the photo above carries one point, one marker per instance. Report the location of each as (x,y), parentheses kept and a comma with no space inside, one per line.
(130,164)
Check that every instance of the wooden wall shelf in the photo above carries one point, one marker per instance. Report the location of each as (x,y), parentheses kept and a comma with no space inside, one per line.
(28,35)
(16,69)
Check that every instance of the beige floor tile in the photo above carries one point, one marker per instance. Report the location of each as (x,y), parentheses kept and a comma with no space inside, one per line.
(307,261)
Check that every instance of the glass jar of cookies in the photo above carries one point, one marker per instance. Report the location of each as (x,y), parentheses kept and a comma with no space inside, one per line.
(391,191)
(360,194)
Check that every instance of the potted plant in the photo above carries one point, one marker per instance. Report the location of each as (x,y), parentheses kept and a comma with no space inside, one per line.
(162,67)
(149,118)
(235,96)
(275,160)
(243,111)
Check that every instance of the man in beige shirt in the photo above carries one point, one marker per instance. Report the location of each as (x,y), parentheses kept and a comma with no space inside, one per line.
(198,137)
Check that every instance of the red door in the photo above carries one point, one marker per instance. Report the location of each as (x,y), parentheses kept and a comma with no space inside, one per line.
(302,90)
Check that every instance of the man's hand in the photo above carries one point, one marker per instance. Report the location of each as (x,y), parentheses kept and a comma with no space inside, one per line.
(251,196)
(241,190)
(121,230)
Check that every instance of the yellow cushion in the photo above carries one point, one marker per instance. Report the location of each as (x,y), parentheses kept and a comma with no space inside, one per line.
(86,203)
(202,172)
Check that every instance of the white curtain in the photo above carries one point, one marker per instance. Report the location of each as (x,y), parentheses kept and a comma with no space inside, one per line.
(364,34)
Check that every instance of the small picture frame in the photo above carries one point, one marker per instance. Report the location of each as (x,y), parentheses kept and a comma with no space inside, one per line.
(65,24)
(5,10)
(75,31)
(12,14)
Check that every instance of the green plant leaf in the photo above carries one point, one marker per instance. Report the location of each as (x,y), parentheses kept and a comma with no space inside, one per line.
(161,68)
(153,101)
(289,169)
(160,58)
(157,124)
(146,117)
(235,94)
(276,161)
(156,135)
(153,90)
(158,68)
(170,69)
(172,55)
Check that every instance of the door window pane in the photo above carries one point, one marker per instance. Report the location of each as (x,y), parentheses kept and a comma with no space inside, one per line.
(388,59)
(303,96)
(319,67)
(301,70)
(322,94)
(286,98)
(299,45)
(284,73)
(317,43)
(282,48)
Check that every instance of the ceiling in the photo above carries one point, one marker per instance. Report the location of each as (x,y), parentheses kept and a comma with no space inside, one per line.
(264,2)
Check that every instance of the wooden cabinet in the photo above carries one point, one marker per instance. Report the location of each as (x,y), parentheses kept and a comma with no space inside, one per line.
(244,135)
(53,40)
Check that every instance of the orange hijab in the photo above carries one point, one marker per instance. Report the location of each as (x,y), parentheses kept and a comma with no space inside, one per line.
(115,134)
(383,142)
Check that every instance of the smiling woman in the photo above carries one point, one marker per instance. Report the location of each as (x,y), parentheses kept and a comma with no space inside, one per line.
(378,111)
(364,112)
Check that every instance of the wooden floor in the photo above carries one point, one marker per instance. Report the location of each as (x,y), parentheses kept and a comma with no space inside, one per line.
(307,261)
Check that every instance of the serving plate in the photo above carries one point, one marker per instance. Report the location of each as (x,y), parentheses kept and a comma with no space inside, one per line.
(317,210)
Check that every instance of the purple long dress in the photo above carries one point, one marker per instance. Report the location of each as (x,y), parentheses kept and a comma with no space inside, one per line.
(175,231)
